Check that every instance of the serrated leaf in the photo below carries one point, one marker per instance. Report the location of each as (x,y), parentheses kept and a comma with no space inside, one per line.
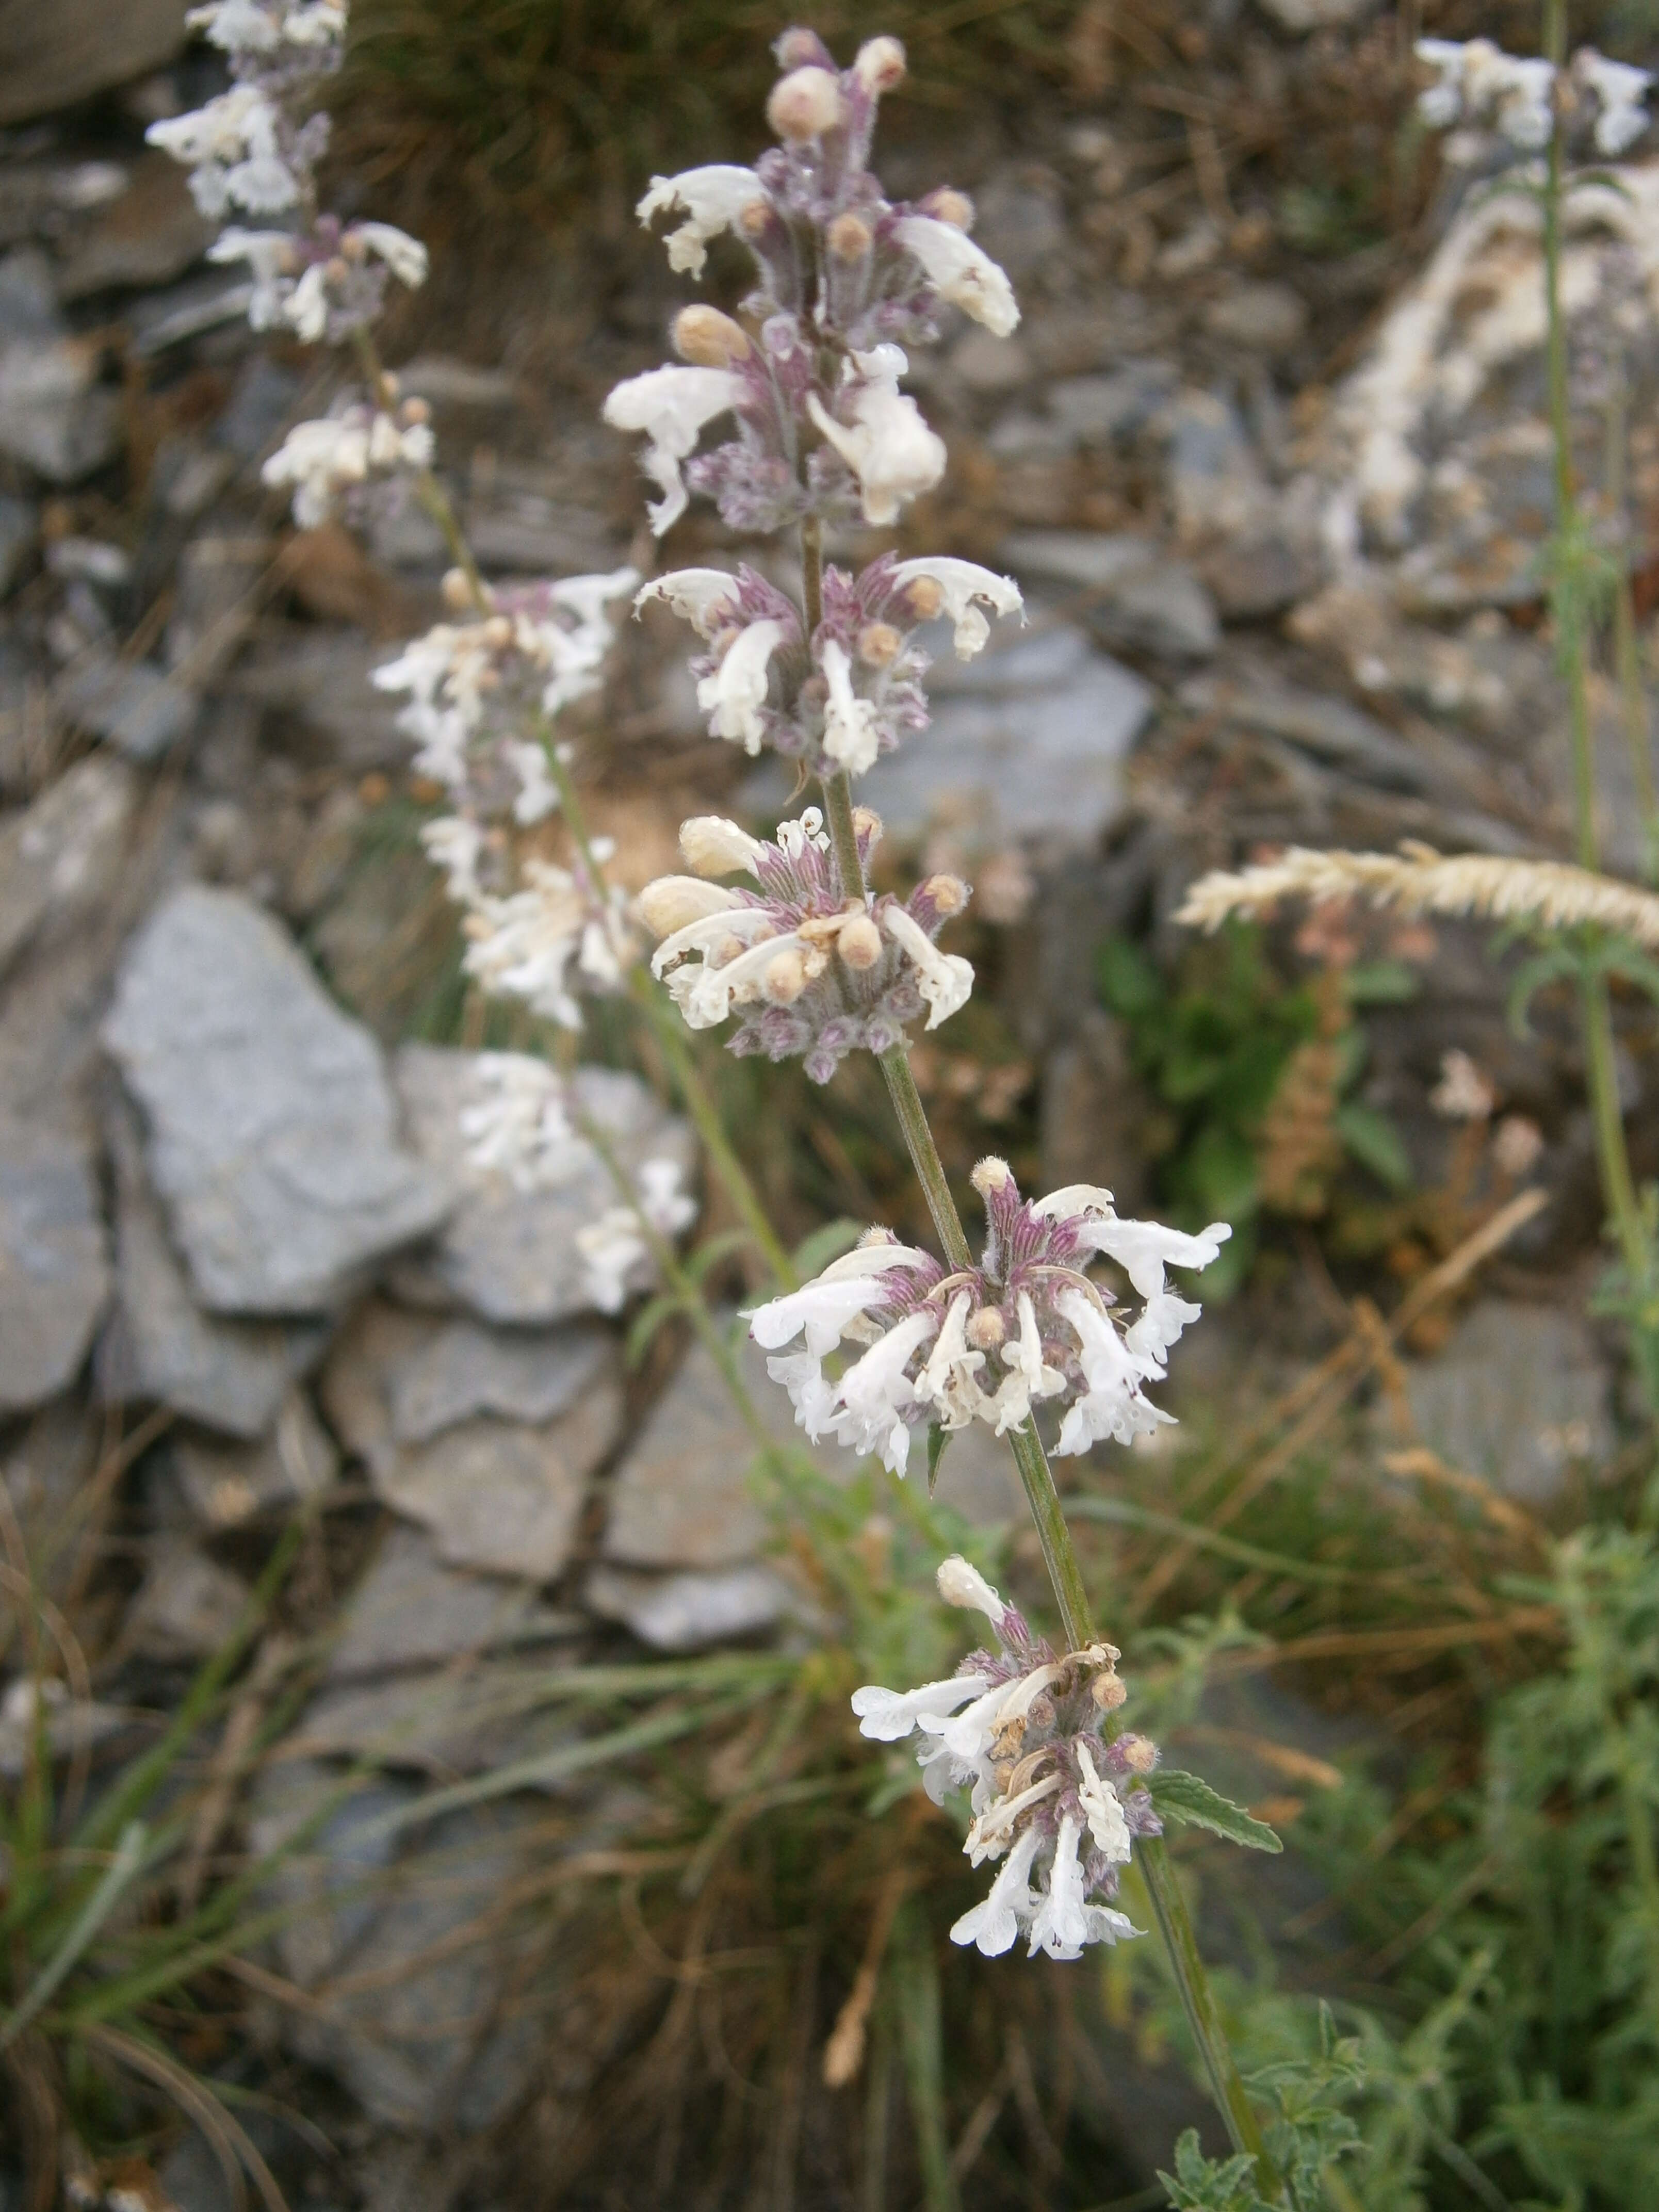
(937,1440)
(814,1253)
(1189,1801)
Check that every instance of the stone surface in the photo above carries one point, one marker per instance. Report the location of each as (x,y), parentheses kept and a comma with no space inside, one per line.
(1138,600)
(159,1344)
(317,682)
(416,2031)
(54,1266)
(411,1610)
(684,1612)
(57,857)
(1519,1396)
(19,524)
(506,1254)
(472,1719)
(1327,727)
(1097,408)
(497,1495)
(521,1376)
(1028,740)
(52,57)
(54,416)
(187,1606)
(1263,318)
(226,1483)
(273,1138)
(148,234)
(140,710)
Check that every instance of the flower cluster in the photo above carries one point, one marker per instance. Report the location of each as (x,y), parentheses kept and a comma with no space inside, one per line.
(561,933)
(1477,81)
(1054,1798)
(992,1342)
(473,686)
(334,461)
(838,701)
(811,973)
(845,279)
(617,1247)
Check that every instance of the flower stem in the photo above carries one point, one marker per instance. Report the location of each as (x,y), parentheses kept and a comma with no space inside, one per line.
(427,489)
(1065,1572)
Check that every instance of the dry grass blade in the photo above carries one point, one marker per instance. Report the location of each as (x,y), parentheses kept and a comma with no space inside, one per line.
(1420,1464)
(227,2139)
(1394,1648)
(1418,881)
(844,2054)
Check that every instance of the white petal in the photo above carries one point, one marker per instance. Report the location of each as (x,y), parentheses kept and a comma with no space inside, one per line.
(698,596)
(963,583)
(960,271)
(884,1715)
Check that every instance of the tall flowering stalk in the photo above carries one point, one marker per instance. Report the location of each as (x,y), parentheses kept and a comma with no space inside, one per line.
(813,434)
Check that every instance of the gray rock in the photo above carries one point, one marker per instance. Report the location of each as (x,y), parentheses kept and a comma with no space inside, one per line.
(467,1720)
(1112,404)
(1022,220)
(1328,728)
(686,1612)
(158,1344)
(226,1483)
(43,1473)
(318,680)
(406,1919)
(411,1610)
(187,1605)
(1094,1114)
(1138,599)
(522,1376)
(54,1269)
(1263,318)
(57,857)
(508,1256)
(160,321)
(71,1725)
(1301,16)
(273,1139)
(50,58)
(140,710)
(54,416)
(1216,483)
(18,525)
(1029,739)
(1519,1396)
(499,1496)
(681,1498)
(148,234)
(985,362)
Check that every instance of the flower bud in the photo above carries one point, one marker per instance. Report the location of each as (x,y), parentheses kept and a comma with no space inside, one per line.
(949,205)
(991,1174)
(986,1330)
(1138,1753)
(337,269)
(799,47)
(709,339)
(805,104)
(457,590)
(714,847)
(849,237)
(671,902)
(947,893)
(755,220)
(879,645)
(959,1583)
(866,825)
(858,942)
(924,597)
(785,978)
(498,633)
(1107,1692)
(880,65)
(415,410)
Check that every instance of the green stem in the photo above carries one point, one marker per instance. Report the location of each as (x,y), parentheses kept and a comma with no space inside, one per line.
(1065,1572)
(704,1113)
(427,489)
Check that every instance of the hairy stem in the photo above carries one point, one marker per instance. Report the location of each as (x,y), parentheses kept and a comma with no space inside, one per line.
(1065,1572)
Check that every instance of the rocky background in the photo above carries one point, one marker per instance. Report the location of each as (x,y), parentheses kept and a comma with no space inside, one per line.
(1276,513)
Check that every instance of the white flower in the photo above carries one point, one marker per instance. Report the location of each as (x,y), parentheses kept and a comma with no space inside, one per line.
(823,1308)
(886,1716)
(325,458)
(269,255)
(315,23)
(994,1926)
(962,1584)
(1480,80)
(1104,1810)
(945,979)
(237,26)
(518,1125)
(705,598)
(672,406)
(964,583)
(850,724)
(613,1247)
(1112,1404)
(230,145)
(713,198)
(1462,1093)
(946,1381)
(538,795)
(454,843)
(870,1403)
(734,696)
(405,257)
(1621,93)
(888,447)
(543,941)
(1443,103)
(960,271)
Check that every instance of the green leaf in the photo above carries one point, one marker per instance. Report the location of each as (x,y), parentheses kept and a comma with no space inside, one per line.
(937,1440)
(814,1253)
(1379,983)
(646,1323)
(1190,1802)
(1127,980)
(1375,1143)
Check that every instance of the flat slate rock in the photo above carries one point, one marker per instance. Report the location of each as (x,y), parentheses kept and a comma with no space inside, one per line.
(226,1483)
(54,1268)
(1519,1396)
(412,1610)
(504,1254)
(59,856)
(522,1375)
(187,1605)
(159,1346)
(273,1134)
(498,1495)
(1139,598)
(688,1611)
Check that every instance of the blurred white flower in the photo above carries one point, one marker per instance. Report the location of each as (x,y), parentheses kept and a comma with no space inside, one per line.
(518,1124)
(615,1247)
(672,406)
(328,457)
(964,586)
(734,696)
(887,444)
(1620,95)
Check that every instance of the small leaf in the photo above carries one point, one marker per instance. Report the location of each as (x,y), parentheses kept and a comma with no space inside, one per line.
(1375,1143)
(814,1253)
(1126,978)
(937,1440)
(1379,983)
(1191,1803)
(646,1323)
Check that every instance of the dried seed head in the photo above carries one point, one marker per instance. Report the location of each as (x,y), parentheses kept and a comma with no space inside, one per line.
(1107,1692)
(924,597)
(949,205)
(785,978)
(987,1329)
(949,894)
(991,1174)
(1138,1753)
(879,645)
(805,104)
(849,237)
(709,339)
(858,942)
(880,65)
